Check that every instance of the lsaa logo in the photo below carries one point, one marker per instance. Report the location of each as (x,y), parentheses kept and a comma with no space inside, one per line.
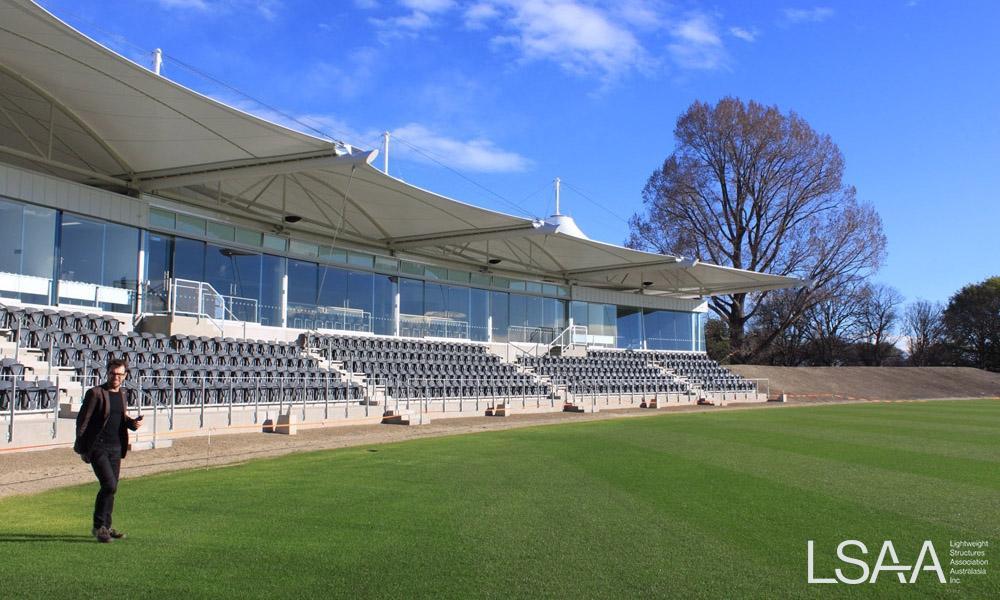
(853,552)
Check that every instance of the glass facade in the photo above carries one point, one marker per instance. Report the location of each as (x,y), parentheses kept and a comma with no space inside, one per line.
(49,256)
(27,259)
(98,263)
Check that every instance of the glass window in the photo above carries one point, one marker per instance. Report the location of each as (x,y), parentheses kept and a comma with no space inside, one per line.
(120,269)
(629,327)
(458,276)
(27,247)
(411,268)
(533,287)
(248,237)
(457,307)
(189,224)
(499,310)
(38,247)
(579,313)
(435,299)
(536,311)
(550,290)
(272,274)
(303,248)
(221,231)
(501,282)
(435,273)
(359,291)
(159,253)
(479,313)
(235,273)
(332,286)
(411,297)
(517,285)
(480,279)
(389,265)
(100,254)
(162,219)
(302,283)
(11,215)
(82,241)
(384,292)
(518,310)
(360,259)
(273,242)
(667,329)
(189,259)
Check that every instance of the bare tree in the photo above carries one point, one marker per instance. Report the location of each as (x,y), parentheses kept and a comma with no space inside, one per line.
(878,312)
(834,325)
(752,188)
(924,328)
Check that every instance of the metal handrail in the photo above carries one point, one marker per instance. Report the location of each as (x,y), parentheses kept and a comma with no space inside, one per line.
(204,290)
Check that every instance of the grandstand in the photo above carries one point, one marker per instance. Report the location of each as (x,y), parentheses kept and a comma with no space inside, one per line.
(246,271)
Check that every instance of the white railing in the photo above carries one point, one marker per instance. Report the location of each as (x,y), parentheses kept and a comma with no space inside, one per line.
(574,335)
(530,335)
(334,318)
(199,299)
(439,327)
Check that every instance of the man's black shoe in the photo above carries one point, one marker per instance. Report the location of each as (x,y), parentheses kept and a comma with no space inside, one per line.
(102,534)
(118,535)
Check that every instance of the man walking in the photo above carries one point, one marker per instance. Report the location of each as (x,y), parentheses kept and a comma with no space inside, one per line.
(102,440)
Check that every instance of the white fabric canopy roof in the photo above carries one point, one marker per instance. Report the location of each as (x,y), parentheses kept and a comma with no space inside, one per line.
(71,107)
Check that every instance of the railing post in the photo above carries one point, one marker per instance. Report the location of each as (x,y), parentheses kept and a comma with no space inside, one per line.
(55,411)
(173,400)
(230,400)
(201,414)
(303,393)
(13,399)
(155,417)
(256,397)
(326,395)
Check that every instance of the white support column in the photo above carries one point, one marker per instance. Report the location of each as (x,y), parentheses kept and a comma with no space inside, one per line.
(140,297)
(395,308)
(284,300)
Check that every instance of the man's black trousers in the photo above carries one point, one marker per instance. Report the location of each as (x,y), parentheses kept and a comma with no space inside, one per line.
(106,459)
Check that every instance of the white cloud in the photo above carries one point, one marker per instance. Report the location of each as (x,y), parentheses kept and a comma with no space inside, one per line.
(697,44)
(417,19)
(808,15)
(747,35)
(185,4)
(580,38)
(477,155)
(265,8)
(347,78)
(428,6)
(640,13)
(476,15)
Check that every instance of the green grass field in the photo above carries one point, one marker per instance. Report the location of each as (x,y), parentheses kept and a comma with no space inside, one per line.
(710,504)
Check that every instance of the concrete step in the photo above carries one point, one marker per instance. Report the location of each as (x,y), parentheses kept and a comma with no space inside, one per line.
(405,417)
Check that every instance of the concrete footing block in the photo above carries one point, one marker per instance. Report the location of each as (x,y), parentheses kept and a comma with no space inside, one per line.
(287,425)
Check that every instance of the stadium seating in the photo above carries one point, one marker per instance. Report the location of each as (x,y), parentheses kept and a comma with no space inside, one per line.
(191,370)
(410,368)
(600,373)
(181,369)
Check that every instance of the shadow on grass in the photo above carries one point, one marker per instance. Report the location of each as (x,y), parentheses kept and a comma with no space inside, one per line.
(45,537)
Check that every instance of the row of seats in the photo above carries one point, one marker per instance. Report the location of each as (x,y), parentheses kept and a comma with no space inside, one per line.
(432,369)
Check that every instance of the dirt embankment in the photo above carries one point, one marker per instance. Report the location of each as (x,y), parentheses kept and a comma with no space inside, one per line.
(875,383)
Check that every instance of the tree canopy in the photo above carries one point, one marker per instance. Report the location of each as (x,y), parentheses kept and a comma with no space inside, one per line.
(753,188)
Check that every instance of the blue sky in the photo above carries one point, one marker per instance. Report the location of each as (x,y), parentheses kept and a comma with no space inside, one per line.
(509,94)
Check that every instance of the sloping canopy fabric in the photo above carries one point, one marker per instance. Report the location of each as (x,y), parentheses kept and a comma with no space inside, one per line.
(71,107)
